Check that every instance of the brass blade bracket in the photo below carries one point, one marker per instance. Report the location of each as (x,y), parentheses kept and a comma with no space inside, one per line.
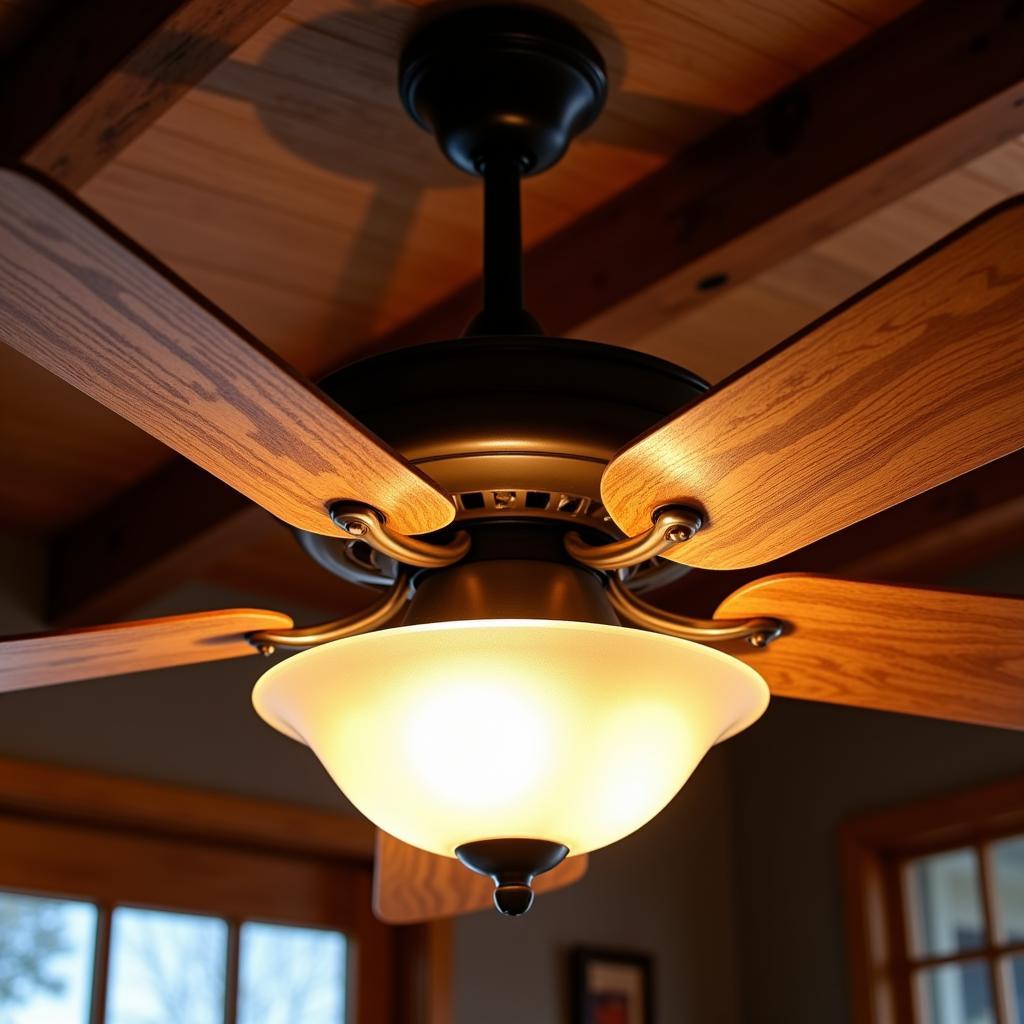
(382,611)
(673,525)
(361,522)
(758,632)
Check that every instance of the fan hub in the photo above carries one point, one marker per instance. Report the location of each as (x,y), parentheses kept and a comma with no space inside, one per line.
(514,427)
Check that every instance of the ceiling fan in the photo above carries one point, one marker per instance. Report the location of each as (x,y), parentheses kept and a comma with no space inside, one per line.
(513,497)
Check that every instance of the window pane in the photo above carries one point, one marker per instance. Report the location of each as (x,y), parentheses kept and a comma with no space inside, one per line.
(166,968)
(1008,871)
(291,974)
(955,994)
(1013,985)
(945,902)
(46,951)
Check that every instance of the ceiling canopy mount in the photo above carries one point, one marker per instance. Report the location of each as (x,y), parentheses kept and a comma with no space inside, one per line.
(501,83)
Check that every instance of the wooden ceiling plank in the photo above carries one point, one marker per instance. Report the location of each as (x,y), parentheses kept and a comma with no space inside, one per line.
(762,187)
(102,72)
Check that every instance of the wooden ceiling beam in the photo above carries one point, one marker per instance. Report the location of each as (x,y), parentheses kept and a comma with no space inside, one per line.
(144,542)
(99,73)
(920,97)
(937,87)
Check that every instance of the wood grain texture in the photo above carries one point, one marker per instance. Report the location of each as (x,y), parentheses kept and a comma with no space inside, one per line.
(61,56)
(936,653)
(41,659)
(143,80)
(97,576)
(910,384)
(77,300)
(411,885)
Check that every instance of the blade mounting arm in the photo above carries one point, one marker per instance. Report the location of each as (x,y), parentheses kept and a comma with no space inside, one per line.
(361,522)
(758,632)
(673,525)
(266,641)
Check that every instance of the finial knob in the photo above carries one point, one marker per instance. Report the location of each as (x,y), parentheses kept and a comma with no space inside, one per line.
(512,864)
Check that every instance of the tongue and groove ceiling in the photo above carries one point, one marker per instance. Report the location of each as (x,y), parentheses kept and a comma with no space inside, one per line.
(289,187)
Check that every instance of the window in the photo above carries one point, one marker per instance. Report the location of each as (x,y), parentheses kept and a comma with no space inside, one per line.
(163,967)
(130,903)
(965,955)
(46,959)
(935,908)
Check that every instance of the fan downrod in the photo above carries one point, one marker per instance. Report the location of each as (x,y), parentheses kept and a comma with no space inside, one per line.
(504,90)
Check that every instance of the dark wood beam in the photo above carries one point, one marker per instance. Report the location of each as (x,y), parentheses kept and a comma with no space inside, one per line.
(920,97)
(143,543)
(927,93)
(98,73)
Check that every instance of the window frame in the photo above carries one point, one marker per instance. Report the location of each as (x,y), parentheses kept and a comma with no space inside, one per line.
(114,841)
(874,852)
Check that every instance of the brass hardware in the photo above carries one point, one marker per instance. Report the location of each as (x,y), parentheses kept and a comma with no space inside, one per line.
(379,613)
(672,525)
(364,523)
(758,632)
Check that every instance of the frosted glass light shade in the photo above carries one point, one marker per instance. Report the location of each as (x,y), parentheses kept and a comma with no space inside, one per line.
(573,732)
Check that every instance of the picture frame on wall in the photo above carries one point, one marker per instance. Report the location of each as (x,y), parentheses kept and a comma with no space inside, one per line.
(611,987)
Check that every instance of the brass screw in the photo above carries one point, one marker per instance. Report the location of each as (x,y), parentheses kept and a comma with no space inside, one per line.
(679,534)
(353,527)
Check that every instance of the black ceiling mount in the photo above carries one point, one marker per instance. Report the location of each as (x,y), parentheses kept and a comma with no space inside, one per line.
(512,864)
(502,81)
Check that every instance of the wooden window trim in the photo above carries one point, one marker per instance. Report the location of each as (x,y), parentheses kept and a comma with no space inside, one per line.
(60,829)
(873,848)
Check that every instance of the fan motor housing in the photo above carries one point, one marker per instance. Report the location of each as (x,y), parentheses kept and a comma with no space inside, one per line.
(513,427)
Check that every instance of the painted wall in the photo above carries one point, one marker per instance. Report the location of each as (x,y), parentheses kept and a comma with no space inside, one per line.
(668,890)
(799,772)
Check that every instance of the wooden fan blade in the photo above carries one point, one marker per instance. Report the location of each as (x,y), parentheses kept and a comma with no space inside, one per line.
(411,885)
(41,659)
(88,305)
(936,653)
(915,381)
